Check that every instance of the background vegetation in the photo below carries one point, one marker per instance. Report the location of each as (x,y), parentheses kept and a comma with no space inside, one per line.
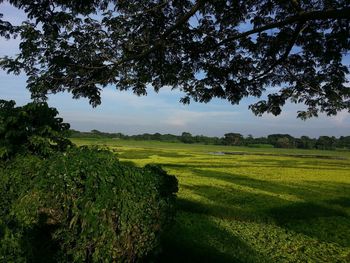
(233,139)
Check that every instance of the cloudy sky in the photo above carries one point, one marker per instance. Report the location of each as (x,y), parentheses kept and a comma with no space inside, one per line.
(127,113)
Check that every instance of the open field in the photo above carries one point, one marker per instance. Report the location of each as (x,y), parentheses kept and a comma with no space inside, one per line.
(261,206)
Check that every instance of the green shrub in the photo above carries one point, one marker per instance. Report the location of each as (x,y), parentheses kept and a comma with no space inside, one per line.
(16,179)
(33,128)
(86,206)
(260,145)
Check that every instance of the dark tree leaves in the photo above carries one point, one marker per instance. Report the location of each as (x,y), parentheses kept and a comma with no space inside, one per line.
(33,128)
(277,51)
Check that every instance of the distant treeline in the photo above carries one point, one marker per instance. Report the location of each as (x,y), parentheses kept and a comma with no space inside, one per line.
(236,139)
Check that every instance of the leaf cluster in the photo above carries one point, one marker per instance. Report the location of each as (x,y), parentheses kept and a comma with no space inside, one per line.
(33,128)
(93,208)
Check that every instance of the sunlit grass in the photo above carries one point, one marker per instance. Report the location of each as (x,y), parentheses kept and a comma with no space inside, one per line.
(251,208)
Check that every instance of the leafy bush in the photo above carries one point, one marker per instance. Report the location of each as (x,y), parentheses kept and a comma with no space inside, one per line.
(86,206)
(31,128)
(16,178)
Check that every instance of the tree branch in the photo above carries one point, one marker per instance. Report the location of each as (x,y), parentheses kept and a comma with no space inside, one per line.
(166,34)
(154,8)
(301,17)
(296,79)
(160,41)
(300,27)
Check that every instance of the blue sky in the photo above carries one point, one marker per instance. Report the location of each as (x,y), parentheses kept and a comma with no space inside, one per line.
(127,113)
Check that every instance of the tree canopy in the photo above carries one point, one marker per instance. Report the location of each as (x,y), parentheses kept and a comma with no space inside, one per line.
(33,128)
(276,51)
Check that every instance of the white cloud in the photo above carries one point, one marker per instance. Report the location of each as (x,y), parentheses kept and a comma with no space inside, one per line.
(186,118)
(341,119)
(113,96)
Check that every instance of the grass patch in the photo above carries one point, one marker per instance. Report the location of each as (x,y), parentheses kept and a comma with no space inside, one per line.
(266,205)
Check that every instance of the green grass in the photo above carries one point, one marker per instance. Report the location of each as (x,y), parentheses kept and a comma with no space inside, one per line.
(271,205)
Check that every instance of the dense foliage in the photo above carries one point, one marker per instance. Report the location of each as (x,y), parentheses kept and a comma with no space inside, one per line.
(70,204)
(207,49)
(33,128)
(82,206)
(235,139)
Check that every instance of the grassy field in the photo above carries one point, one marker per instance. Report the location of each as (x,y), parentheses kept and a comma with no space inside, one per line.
(260,205)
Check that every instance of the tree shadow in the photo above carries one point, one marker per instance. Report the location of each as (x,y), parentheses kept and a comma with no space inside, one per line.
(146,153)
(265,163)
(187,242)
(321,210)
(305,190)
(341,201)
(37,242)
(246,181)
(291,162)
(327,224)
(303,211)
(225,203)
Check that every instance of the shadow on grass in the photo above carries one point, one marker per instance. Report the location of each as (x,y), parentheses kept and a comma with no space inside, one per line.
(196,238)
(298,163)
(288,162)
(303,211)
(146,153)
(322,211)
(324,223)
(342,202)
(309,191)
(319,210)
(230,204)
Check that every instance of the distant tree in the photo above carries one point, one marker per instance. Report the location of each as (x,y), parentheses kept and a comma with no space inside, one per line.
(233,139)
(343,142)
(207,49)
(119,135)
(283,142)
(326,143)
(261,140)
(157,136)
(306,142)
(249,139)
(96,132)
(186,137)
(273,139)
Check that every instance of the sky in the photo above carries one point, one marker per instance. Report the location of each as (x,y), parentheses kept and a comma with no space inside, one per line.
(122,111)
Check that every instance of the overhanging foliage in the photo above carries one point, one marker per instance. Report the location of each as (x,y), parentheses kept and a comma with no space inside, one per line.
(208,49)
